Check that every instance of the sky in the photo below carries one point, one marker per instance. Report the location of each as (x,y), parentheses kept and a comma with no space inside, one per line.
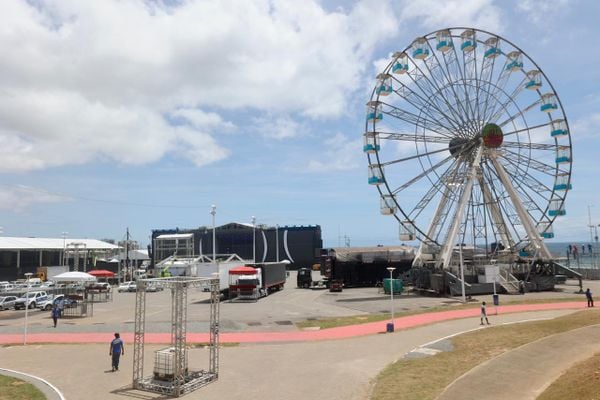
(142,114)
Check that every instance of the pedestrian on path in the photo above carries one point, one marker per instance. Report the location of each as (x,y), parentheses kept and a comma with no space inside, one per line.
(117,349)
(55,314)
(590,300)
(484,313)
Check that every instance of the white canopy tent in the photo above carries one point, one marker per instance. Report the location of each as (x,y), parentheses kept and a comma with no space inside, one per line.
(74,276)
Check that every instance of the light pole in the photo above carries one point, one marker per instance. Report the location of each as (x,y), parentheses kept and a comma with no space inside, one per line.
(277,241)
(253,239)
(213,212)
(27,275)
(462,274)
(590,223)
(64,257)
(391,269)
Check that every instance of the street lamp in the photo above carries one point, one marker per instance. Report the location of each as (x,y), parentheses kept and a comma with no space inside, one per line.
(213,212)
(64,255)
(253,239)
(27,275)
(391,326)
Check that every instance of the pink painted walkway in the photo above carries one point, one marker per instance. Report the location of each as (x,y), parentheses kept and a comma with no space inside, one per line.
(342,332)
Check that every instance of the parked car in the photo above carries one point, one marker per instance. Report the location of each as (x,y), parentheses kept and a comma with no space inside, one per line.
(7,302)
(130,286)
(99,287)
(5,286)
(60,300)
(31,300)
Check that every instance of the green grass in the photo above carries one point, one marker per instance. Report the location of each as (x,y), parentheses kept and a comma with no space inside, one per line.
(16,389)
(411,379)
(326,323)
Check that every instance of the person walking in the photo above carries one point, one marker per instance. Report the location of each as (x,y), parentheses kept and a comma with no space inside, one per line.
(55,314)
(117,349)
(590,300)
(484,313)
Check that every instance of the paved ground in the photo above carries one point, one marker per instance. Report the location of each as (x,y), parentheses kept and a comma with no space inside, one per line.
(267,364)
(336,369)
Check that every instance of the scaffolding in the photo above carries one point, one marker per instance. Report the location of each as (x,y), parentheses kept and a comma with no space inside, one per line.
(171,375)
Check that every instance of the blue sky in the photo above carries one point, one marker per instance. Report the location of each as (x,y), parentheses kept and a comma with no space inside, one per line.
(142,114)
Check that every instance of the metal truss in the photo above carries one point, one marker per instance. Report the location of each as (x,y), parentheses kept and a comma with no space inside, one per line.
(181,381)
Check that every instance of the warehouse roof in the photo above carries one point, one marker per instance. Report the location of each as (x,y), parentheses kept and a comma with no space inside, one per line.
(33,243)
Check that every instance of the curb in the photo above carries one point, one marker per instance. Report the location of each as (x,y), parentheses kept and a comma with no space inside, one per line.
(49,390)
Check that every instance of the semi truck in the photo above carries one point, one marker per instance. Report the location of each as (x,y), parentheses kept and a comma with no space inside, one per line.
(252,281)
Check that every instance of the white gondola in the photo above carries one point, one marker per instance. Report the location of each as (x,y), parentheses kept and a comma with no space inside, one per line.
(375,174)
(468,40)
(388,205)
(371,144)
(491,48)
(548,102)
(385,84)
(563,182)
(401,64)
(514,61)
(563,154)
(444,41)
(545,230)
(420,49)
(374,112)
(559,128)
(534,80)
(557,208)
(407,231)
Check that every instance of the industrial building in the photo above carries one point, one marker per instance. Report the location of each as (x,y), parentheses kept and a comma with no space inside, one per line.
(298,244)
(20,255)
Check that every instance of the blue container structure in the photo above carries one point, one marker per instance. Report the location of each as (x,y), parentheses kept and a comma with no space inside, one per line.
(401,64)
(371,142)
(559,128)
(375,174)
(491,48)
(548,102)
(420,49)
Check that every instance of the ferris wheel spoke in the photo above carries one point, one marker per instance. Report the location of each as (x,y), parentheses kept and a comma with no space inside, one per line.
(425,123)
(462,78)
(434,64)
(531,162)
(416,156)
(520,113)
(495,213)
(529,128)
(497,111)
(496,88)
(433,92)
(424,174)
(444,185)
(419,102)
(531,146)
(412,137)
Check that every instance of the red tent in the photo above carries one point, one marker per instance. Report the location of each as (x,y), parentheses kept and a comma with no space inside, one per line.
(242,270)
(101,273)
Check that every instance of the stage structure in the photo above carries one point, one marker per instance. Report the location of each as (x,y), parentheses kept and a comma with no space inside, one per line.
(171,375)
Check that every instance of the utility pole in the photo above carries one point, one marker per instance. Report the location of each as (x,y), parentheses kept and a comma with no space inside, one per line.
(213,212)
(127,252)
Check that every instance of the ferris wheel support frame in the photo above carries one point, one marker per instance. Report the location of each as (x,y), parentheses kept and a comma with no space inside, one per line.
(446,253)
(530,228)
(496,215)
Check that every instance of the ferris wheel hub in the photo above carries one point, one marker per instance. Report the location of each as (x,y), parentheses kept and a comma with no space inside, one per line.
(492,136)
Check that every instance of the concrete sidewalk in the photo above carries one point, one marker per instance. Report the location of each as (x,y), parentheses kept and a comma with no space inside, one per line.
(524,373)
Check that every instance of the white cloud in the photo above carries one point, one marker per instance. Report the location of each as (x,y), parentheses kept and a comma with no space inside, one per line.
(343,154)
(19,197)
(586,127)
(433,14)
(278,128)
(83,81)
(540,12)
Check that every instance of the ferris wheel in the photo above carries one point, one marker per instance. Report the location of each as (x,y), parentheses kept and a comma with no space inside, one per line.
(468,142)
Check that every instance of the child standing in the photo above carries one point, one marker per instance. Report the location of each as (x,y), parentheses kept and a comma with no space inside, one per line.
(484,313)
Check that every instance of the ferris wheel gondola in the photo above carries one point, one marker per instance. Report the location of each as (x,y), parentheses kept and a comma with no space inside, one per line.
(467,142)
